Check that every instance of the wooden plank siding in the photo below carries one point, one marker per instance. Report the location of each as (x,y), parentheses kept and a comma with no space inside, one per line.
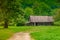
(41,20)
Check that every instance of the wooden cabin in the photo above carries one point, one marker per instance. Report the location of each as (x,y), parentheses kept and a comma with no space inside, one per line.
(41,20)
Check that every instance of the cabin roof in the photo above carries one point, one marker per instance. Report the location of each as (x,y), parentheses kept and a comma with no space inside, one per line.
(41,19)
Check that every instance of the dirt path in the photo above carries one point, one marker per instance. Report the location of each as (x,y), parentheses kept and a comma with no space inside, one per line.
(20,36)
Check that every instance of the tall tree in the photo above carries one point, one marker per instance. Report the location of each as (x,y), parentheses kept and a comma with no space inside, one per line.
(41,8)
(28,12)
(9,9)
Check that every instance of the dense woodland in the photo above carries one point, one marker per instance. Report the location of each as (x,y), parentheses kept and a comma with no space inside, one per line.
(16,12)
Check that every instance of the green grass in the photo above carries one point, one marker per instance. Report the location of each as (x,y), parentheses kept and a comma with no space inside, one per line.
(47,33)
(37,32)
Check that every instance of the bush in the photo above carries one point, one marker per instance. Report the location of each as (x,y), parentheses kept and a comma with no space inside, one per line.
(20,24)
(57,23)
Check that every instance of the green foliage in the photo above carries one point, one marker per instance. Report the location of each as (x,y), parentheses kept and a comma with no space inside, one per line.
(41,8)
(56,13)
(28,12)
(11,9)
(57,23)
(20,21)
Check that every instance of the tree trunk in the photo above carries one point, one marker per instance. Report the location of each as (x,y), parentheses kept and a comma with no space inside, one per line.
(6,23)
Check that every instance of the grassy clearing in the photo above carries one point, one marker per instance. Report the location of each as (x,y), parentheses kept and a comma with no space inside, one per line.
(48,33)
(37,32)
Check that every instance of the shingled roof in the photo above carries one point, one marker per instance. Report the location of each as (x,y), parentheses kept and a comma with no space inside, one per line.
(41,19)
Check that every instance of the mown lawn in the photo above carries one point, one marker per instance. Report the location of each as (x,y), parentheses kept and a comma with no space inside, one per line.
(37,32)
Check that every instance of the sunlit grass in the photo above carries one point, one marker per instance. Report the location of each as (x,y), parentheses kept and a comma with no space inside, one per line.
(47,33)
(37,32)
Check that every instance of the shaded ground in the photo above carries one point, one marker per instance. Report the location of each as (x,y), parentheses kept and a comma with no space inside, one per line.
(20,36)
